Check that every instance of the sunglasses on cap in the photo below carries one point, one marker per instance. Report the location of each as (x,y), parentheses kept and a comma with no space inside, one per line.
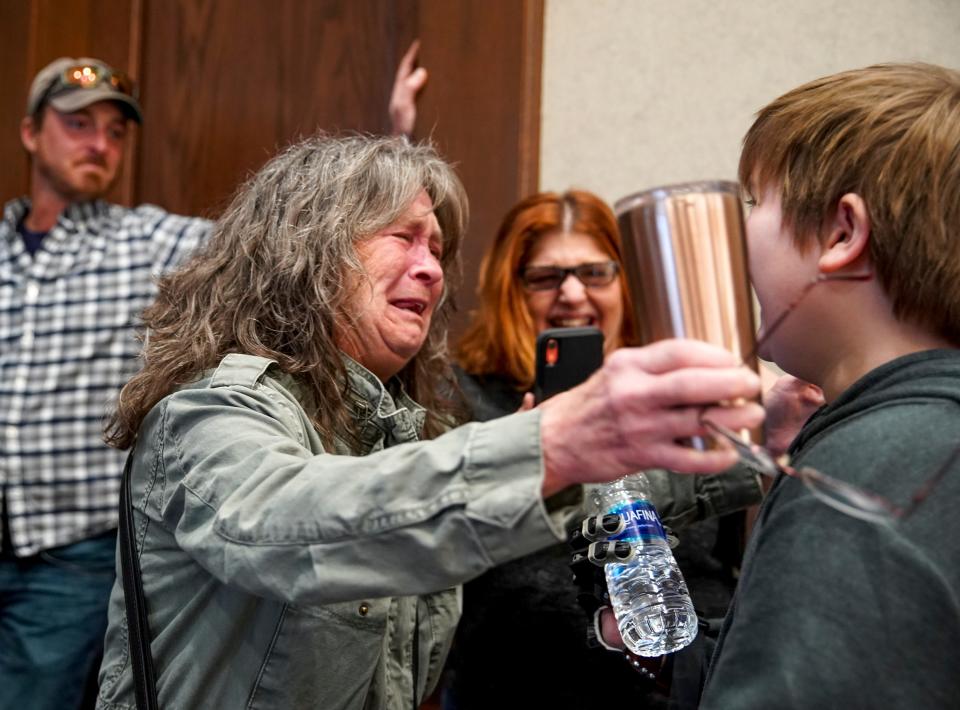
(91,76)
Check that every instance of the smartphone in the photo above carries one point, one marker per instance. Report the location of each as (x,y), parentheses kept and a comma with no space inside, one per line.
(565,358)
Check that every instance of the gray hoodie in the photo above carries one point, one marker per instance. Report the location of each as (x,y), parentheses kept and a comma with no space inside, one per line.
(836,612)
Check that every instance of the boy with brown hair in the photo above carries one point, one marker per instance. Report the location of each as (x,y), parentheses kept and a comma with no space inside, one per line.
(856,173)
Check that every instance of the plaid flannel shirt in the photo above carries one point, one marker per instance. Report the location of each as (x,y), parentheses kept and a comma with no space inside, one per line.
(67,345)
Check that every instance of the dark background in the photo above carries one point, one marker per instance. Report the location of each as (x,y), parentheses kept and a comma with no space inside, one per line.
(225,83)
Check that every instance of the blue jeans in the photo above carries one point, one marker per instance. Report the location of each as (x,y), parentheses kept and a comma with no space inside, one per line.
(53,615)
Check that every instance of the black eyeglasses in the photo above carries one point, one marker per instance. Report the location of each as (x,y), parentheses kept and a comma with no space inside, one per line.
(839,495)
(549,278)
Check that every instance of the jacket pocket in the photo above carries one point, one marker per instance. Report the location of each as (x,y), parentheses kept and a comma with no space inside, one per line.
(323,656)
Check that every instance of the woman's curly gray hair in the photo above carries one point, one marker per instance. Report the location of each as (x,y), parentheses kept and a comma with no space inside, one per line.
(271,280)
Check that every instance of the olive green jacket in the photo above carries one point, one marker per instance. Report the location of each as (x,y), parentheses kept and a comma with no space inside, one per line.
(281,575)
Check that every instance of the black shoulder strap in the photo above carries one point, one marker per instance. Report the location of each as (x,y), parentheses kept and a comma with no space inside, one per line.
(141,658)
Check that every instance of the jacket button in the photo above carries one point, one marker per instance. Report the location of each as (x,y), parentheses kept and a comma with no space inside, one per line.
(364,608)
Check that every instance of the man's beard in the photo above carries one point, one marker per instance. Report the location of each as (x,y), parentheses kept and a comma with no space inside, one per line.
(86,185)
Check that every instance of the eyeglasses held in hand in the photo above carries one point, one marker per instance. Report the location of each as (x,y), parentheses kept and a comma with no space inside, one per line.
(841,496)
(550,278)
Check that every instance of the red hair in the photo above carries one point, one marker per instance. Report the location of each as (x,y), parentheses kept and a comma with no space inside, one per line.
(501,337)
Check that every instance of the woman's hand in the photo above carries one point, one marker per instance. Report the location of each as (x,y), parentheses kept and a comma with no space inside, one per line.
(527,404)
(608,631)
(640,408)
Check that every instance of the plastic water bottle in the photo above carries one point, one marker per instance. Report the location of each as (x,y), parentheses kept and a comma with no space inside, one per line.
(649,597)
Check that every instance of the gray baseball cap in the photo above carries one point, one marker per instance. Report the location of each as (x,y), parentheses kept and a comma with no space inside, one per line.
(70,84)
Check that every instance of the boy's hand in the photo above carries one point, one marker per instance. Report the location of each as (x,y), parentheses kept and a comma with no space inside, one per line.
(789,403)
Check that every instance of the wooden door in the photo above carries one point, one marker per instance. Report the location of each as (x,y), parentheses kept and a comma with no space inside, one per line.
(225,83)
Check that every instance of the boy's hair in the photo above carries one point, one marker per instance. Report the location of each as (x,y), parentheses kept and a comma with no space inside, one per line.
(891,134)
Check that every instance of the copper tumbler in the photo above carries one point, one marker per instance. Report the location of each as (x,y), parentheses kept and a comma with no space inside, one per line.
(685,256)
(686,264)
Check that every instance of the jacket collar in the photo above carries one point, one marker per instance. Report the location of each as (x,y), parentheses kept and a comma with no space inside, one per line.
(381,411)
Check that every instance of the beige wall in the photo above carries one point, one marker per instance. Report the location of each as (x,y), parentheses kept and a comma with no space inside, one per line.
(638,93)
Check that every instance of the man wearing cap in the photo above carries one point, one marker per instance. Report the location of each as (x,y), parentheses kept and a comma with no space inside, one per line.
(75,272)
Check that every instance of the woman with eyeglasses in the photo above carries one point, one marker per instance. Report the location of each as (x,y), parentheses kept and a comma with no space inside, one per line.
(556,262)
